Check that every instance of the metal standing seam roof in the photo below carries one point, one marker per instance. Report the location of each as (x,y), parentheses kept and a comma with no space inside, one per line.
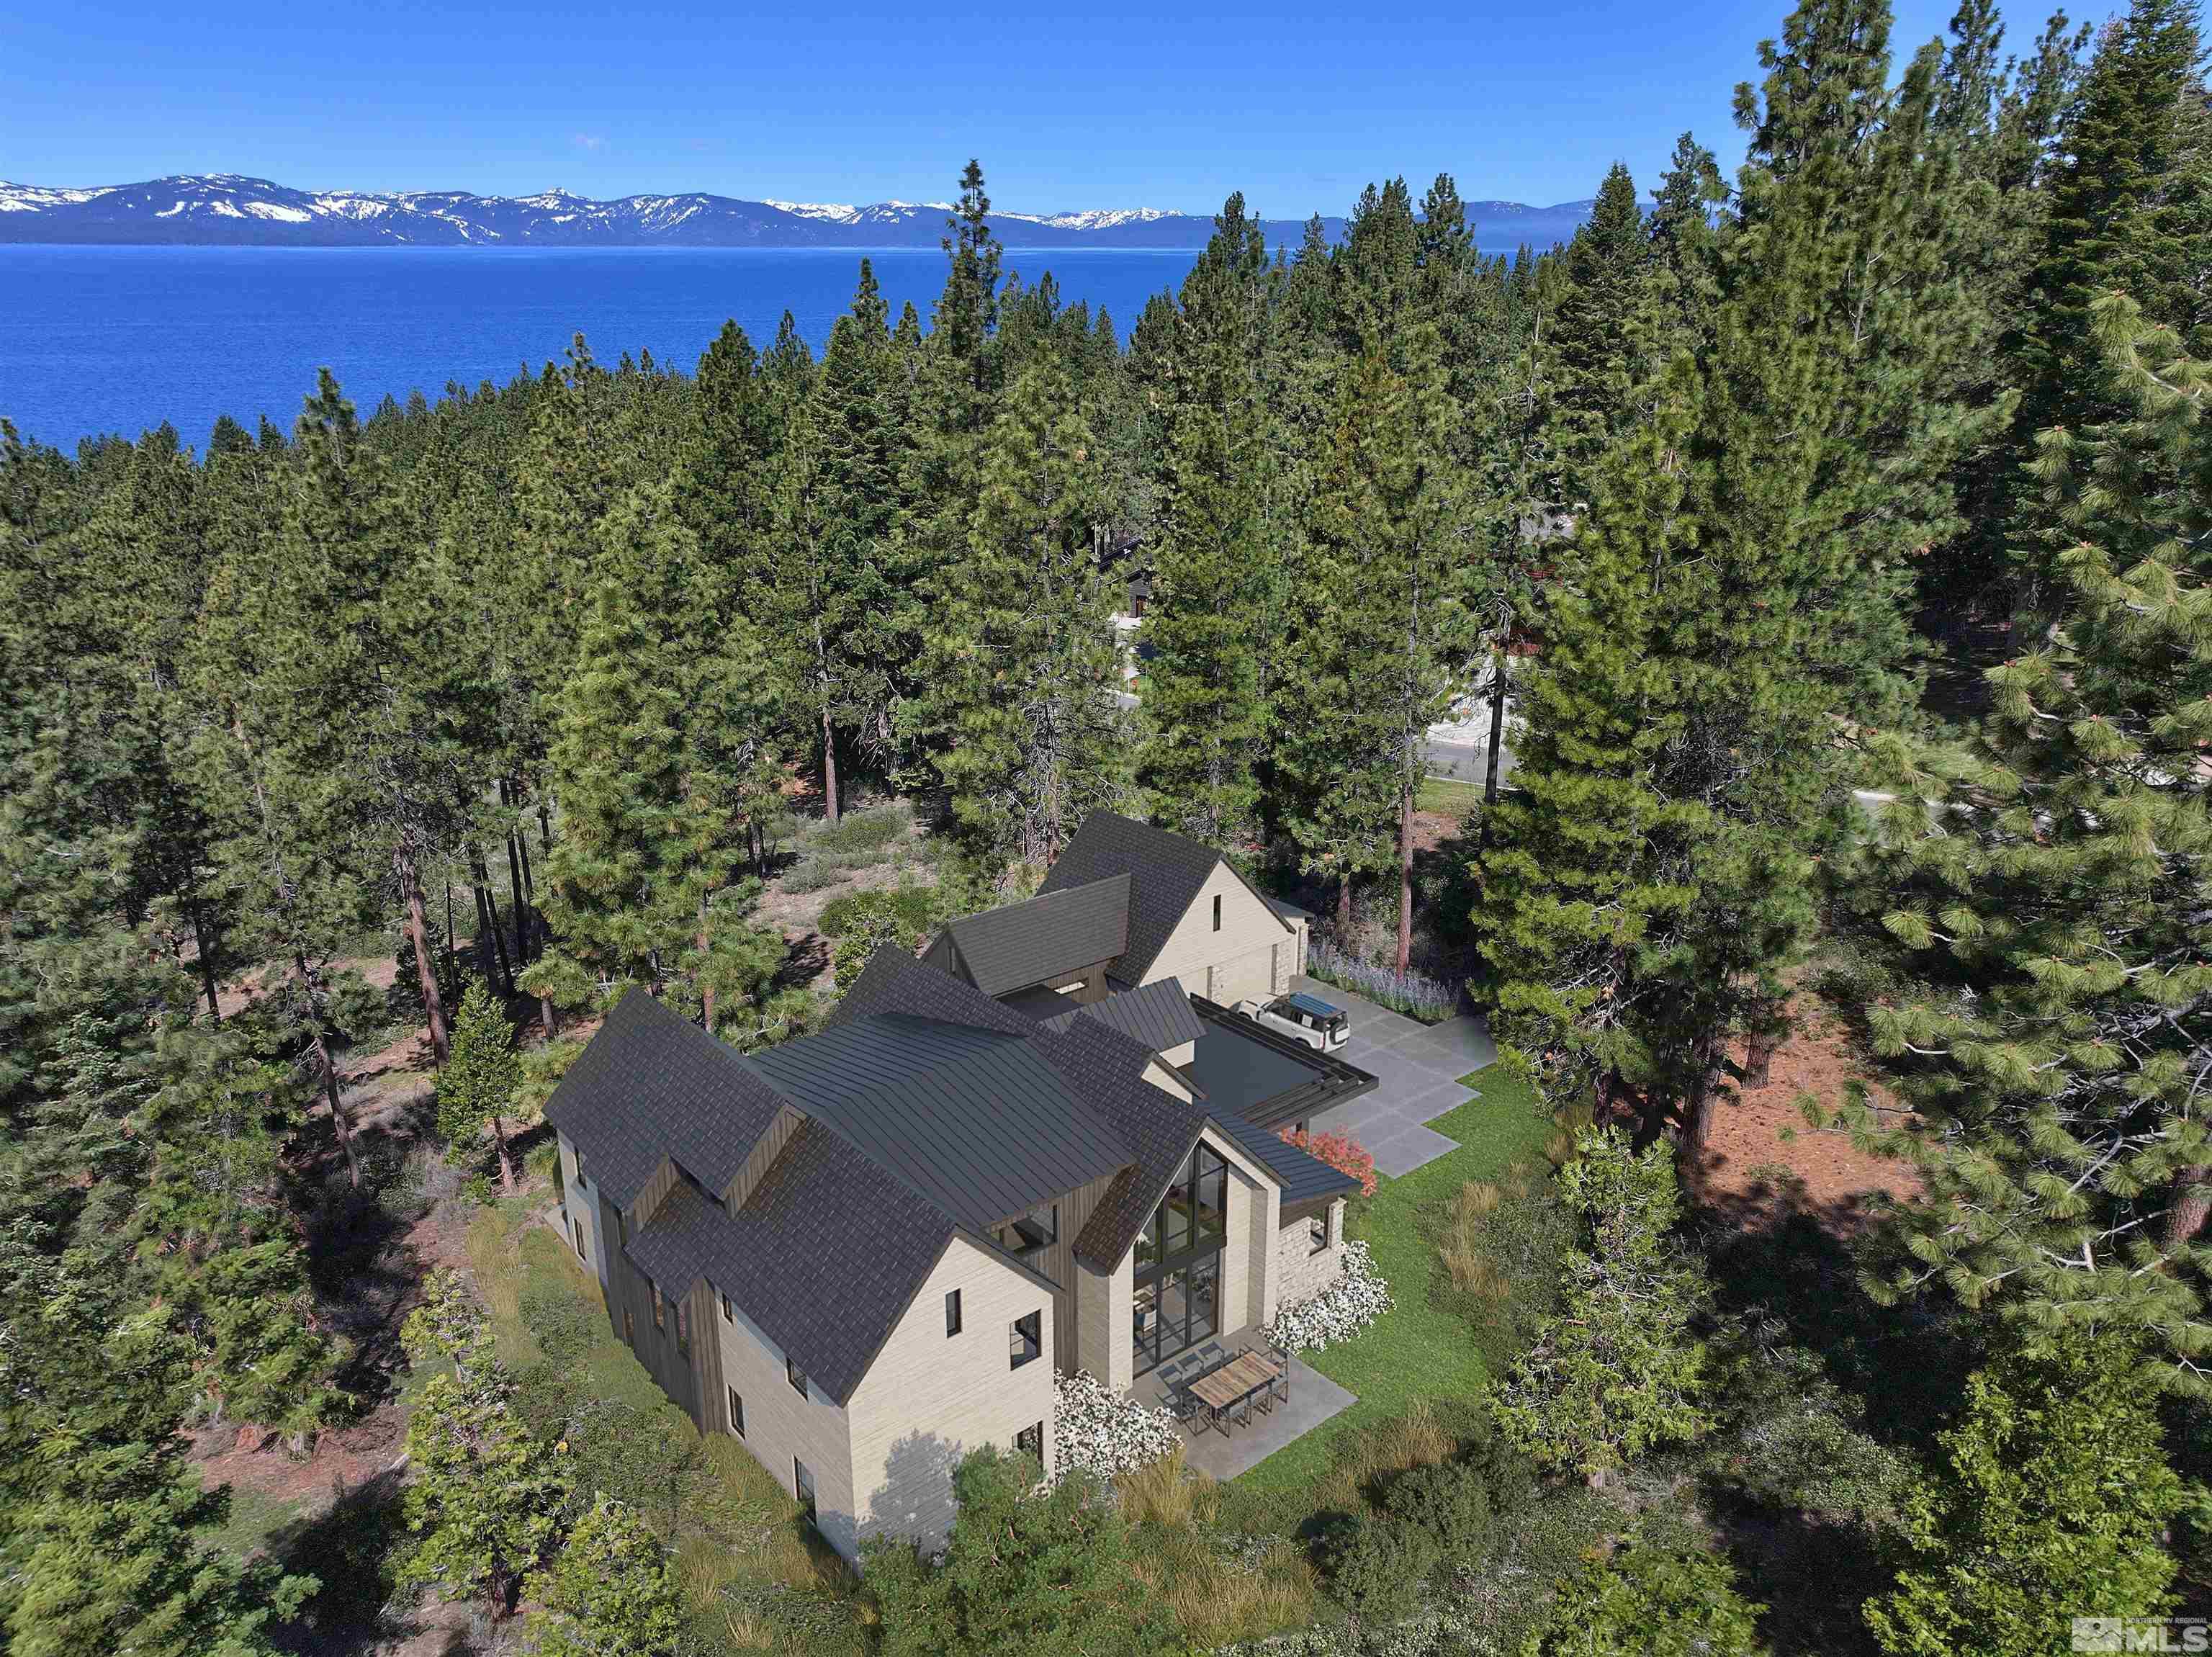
(1166,873)
(1157,1015)
(1045,937)
(1252,1070)
(974,1120)
(681,1092)
(1304,1178)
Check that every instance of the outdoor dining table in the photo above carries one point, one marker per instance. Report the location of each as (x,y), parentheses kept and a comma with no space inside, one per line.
(1237,1384)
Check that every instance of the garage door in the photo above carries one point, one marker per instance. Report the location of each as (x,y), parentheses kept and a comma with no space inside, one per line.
(1248,977)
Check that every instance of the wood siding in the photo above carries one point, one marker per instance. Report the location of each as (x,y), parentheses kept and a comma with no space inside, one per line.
(761,1157)
(1058,1262)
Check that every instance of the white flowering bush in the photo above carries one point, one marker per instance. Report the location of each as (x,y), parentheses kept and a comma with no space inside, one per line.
(1339,1312)
(1095,1428)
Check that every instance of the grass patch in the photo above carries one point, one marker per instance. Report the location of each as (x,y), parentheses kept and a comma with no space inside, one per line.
(1420,1349)
(254,1519)
(1444,796)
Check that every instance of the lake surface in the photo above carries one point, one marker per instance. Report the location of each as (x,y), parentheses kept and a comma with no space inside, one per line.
(119,339)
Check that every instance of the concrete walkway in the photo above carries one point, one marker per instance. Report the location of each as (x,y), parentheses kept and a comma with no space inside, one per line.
(1417,1068)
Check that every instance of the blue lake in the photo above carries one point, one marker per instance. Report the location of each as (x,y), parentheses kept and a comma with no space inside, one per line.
(119,339)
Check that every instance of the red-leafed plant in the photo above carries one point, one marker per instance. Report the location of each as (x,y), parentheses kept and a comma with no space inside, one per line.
(1340,1151)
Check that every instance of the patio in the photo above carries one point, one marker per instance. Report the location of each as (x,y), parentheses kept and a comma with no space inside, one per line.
(1314,1399)
(1417,1068)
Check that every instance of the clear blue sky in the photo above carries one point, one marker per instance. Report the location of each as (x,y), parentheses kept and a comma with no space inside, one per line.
(1297,103)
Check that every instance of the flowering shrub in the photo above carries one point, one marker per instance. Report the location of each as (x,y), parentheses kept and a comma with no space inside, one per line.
(1340,1151)
(1339,1312)
(1095,1428)
(1413,994)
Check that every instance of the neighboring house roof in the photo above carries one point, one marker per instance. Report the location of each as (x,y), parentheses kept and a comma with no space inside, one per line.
(1168,872)
(1044,938)
(681,1093)
(824,1255)
(1304,1178)
(1158,1014)
(974,1120)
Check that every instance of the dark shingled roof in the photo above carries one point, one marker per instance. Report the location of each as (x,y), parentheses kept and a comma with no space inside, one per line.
(1044,938)
(681,1091)
(974,1120)
(824,1254)
(1158,1014)
(894,981)
(1166,871)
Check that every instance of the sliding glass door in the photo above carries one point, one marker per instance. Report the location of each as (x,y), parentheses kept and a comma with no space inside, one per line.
(1177,1302)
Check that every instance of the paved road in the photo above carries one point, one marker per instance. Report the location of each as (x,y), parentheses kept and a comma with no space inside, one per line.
(1417,1068)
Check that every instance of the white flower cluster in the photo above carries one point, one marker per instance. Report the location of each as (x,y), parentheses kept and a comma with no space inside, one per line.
(1095,1428)
(1339,1312)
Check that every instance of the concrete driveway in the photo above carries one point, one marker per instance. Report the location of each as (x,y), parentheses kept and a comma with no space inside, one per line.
(1417,1068)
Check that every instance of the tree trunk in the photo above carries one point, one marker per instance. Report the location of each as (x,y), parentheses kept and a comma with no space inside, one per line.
(828,767)
(506,1157)
(488,908)
(1497,731)
(1697,1107)
(2192,1203)
(1757,1059)
(515,885)
(339,1120)
(1344,907)
(200,931)
(452,953)
(706,988)
(1405,874)
(426,969)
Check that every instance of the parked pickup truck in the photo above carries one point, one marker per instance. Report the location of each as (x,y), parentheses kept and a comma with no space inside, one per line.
(1310,1019)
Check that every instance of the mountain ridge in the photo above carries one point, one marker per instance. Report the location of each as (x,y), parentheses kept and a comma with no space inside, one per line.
(233,210)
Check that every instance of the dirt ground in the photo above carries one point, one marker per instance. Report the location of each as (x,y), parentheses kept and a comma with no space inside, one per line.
(1757,1135)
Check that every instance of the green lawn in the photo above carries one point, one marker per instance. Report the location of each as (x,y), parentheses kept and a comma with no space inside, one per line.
(1416,1350)
(1441,793)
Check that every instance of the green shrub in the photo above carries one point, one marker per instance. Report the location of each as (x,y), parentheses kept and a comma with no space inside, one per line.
(863,831)
(1376,1567)
(566,1327)
(1450,1502)
(1666,1602)
(913,907)
(815,875)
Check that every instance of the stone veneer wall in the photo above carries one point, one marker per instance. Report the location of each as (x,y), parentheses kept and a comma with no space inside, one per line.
(1300,1274)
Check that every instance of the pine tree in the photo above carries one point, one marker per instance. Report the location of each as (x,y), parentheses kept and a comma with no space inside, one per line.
(477,1088)
(2054,1507)
(1218,548)
(608,1589)
(1595,367)
(1617,1371)
(1021,677)
(2039,994)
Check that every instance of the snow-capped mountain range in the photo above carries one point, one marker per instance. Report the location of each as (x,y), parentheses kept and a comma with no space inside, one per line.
(227,209)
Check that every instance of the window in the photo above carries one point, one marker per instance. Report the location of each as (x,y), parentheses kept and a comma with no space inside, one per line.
(1137,606)
(797,1377)
(622,1228)
(1030,1441)
(1175,1297)
(1317,1232)
(952,1314)
(580,1167)
(1217,911)
(802,1486)
(737,1413)
(577,1221)
(683,1327)
(1025,1234)
(1027,1340)
(630,1326)
(729,1314)
(660,1317)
